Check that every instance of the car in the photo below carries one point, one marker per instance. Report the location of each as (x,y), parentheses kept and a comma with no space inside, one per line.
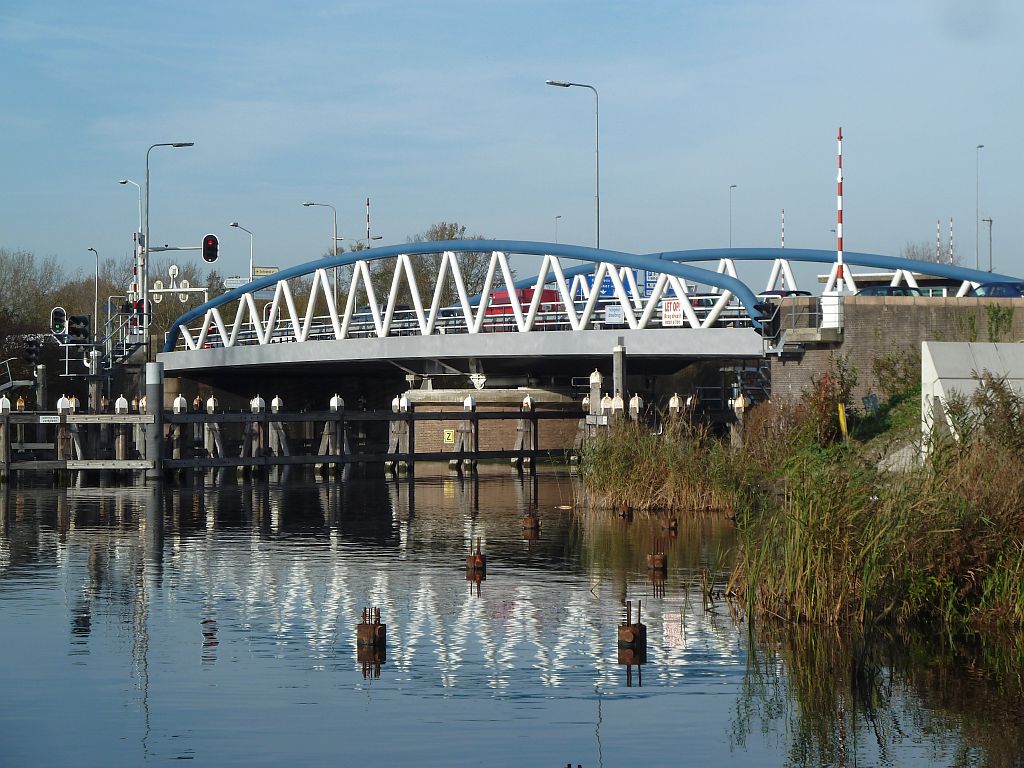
(889,290)
(998,290)
(782,294)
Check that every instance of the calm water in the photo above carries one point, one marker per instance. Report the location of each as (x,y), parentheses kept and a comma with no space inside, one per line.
(216,623)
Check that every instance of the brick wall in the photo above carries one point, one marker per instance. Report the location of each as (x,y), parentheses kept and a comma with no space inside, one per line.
(879,325)
(495,435)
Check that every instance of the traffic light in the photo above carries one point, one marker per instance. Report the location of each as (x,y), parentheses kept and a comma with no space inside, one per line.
(769,317)
(210,246)
(58,321)
(31,351)
(79,331)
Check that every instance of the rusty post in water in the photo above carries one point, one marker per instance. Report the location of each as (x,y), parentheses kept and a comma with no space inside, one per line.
(476,562)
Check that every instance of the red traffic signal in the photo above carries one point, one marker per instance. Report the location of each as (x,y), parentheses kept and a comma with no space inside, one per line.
(210,247)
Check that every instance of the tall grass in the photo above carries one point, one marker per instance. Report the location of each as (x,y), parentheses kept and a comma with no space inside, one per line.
(629,467)
(941,542)
(825,535)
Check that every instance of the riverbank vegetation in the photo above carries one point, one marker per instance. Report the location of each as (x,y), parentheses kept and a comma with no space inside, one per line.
(859,530)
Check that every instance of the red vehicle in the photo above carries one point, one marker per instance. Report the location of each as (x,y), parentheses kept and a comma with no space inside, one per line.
(499,302)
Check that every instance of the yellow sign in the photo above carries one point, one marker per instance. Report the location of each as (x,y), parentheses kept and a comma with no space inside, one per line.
(449,437)
(264,271)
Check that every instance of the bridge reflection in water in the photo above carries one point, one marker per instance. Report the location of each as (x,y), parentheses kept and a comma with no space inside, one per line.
(285,570)
(218,621)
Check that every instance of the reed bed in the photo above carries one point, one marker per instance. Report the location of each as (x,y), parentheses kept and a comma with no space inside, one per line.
(630,468)
(825,536)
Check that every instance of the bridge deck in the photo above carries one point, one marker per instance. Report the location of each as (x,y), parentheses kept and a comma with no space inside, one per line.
(552,351)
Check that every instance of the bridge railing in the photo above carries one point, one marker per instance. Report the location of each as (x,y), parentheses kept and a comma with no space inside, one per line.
(405,323)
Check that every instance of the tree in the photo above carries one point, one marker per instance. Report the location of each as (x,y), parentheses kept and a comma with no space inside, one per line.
(925,251)
(426,267)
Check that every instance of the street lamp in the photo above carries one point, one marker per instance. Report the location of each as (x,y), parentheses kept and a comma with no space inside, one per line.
(731,188)
(236,225)
(369,237)
(96,296)
(138,245)
(556,227)
(989,222)
(977,204)
(597,145)
(144,258)
(334,247)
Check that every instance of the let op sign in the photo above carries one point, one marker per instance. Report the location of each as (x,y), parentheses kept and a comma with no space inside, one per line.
(672,313)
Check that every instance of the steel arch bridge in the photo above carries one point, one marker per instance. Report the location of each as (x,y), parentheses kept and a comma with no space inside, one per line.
(632,292)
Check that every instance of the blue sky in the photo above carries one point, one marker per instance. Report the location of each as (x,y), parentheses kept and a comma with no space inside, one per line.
(438,111)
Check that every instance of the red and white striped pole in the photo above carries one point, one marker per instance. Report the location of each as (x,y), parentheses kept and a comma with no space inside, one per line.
(783,243)
(839,220)
(938,241)
(950,239)
(367,221)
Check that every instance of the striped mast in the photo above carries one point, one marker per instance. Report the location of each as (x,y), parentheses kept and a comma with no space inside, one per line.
(840,278)
(938,241)
(367,221)
(783,244)
(950,239)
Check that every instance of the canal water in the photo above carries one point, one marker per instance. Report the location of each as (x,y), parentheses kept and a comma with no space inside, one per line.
(216,622)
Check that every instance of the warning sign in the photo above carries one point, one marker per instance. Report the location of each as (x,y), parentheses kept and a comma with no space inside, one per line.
(449,437)
(672,312)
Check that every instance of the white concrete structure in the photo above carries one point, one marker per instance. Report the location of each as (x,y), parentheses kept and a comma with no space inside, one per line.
(948,367)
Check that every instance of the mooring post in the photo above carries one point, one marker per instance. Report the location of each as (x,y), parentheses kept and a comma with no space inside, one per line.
(739,406)
(636,407)
(180,405)
(524,427)
(410,433)
(121,430)
(534,436)
(211,432)
(5,437)
(154,399)
(471,429)
(40,400)
(197,427)
(278,438)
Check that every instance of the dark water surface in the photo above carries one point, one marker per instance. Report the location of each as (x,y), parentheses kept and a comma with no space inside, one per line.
(216,623)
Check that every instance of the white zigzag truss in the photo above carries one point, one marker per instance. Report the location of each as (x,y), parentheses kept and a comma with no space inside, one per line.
(321,319)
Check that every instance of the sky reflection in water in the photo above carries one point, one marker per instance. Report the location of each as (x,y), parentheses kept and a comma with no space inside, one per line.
(217,623)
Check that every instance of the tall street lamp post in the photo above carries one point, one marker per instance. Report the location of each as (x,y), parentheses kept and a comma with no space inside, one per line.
(597,146)
(138,235)
(96,296)
(731,188)
(236,225)
(977,205)
(989,222)
(556,227)
(334,246)
(144,258)
(370,238)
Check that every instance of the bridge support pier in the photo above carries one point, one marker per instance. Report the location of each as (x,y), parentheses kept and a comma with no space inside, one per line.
(619,368)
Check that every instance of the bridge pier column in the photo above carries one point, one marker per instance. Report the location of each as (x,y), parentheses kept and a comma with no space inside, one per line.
(619,368)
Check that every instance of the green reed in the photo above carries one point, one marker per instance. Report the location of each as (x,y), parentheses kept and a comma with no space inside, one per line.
(824,534)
